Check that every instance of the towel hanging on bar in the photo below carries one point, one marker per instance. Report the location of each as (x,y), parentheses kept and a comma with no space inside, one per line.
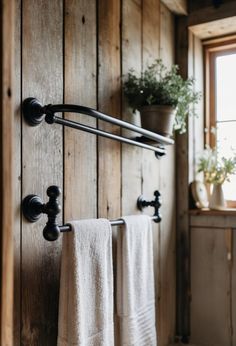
(67,227)
(33,208)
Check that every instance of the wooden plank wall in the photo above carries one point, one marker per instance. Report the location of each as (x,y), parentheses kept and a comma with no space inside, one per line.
(79,57)
(167,186)
(6,170)
(182,193)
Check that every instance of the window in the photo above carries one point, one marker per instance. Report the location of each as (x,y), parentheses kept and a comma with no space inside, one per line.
(221,104)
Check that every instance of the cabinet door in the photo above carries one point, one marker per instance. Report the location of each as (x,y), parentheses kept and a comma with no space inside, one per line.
(211,281)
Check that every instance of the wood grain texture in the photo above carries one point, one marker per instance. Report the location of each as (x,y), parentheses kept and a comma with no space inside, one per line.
(17,173)
(109,163)
(151,165)
(131,58)
(213,220)
(6,171)
(93,185)
(217,28)
(80,165)
(210,288)
(208,14)
(42,166)
(206,212)
(176,6)
(182,180)
(167,188)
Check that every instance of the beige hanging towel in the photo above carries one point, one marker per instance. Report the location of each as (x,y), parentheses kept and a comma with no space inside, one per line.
(135,282)
(86,287)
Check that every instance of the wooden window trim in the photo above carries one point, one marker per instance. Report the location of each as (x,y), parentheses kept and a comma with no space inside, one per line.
(211,52)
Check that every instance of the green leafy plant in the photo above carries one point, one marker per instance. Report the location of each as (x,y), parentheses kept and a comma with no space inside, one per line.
(159,86)
(216,170)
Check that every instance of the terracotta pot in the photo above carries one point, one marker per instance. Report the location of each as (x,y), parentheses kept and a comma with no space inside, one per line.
(159,119)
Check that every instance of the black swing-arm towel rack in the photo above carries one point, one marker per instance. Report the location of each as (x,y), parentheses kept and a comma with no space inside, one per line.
(33,208)
(34,112)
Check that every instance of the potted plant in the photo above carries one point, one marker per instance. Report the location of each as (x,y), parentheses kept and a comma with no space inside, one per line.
(162,96)
(216,171)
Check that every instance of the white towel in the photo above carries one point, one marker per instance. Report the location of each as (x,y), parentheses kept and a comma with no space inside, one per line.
(135,282)
(86,288)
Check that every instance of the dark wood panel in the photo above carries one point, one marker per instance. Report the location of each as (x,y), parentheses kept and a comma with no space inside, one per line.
(202,4)
(182,181)
(42,69)
(80,165)
(210,13)
(109,164)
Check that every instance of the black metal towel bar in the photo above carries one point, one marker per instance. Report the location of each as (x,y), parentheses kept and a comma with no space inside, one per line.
(33,208)
(34,112)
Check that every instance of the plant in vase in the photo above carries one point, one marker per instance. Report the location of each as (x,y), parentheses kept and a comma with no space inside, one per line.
(216,171)
(162,96)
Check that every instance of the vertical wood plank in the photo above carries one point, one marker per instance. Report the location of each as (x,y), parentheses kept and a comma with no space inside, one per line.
(196,125)
(210,288)
(167,43)
(109,164)
(150,31)
(131,58)
(199,86)
(182,180)
(191,123)
(42,65)
(6,171)
(17,173)
(151,165)
(80,175)
(167,188)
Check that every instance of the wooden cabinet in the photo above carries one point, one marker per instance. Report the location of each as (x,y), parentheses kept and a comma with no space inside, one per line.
(213,278)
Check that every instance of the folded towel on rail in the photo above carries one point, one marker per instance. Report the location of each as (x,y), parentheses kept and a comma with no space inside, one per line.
(86,287)
(135,282)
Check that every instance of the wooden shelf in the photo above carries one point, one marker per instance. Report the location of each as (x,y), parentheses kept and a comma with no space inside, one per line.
(206,211)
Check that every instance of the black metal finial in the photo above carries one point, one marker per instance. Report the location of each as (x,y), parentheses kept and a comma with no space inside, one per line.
(33,208)
(159,155)
(156,203)
(33,111)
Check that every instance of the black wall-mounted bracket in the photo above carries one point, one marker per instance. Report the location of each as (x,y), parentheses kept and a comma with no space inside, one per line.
(156,203)
(34,113)
(33,208)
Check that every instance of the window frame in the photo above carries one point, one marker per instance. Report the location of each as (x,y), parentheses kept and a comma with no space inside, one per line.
(211,52)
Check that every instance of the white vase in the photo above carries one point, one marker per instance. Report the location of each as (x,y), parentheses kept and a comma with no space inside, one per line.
(217,200)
